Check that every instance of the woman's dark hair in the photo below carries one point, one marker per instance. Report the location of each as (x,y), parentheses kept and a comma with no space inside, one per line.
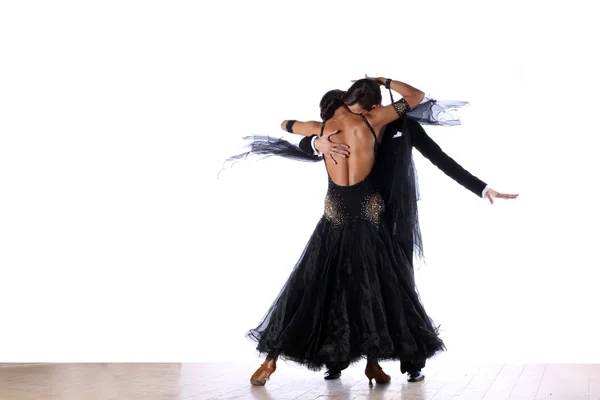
(330,102)
(365,92)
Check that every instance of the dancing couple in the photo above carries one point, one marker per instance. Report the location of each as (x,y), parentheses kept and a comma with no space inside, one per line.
(352,294)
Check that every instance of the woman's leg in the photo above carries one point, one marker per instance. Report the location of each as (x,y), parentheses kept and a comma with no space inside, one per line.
(374,371)
(264,372)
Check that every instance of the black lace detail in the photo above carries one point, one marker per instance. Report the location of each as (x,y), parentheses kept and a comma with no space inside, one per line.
(401,106)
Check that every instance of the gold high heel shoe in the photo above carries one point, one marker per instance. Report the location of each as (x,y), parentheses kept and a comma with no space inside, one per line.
(262,374)
(374,371)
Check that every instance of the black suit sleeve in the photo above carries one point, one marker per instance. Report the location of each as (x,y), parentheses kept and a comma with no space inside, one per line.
(306,146)
(430,150)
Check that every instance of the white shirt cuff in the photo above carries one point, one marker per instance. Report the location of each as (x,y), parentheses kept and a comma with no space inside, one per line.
(485,191)
(312,144)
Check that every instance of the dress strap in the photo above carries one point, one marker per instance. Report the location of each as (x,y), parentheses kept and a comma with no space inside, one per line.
(371,129)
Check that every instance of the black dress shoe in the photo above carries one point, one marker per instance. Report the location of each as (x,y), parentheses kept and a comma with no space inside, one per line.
(415,376)
(332,373)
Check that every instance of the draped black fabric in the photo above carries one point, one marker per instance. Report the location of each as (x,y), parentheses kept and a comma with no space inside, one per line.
(268,146)
(434,112)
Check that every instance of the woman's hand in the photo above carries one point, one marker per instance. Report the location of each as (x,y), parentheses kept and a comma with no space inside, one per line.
(491,194)
(325,146)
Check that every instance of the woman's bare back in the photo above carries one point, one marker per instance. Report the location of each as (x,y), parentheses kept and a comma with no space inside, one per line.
(354,132)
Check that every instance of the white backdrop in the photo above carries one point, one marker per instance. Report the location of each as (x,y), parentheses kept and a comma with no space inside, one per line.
(118,243)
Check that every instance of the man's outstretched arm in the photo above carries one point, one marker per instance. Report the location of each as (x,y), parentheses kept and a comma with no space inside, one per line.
(432,151)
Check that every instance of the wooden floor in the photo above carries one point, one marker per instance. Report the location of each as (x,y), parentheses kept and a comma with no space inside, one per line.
(231,381)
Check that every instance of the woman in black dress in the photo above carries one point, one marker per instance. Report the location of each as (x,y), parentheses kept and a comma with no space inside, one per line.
(352,293)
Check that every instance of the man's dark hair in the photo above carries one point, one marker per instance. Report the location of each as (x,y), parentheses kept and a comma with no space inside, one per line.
(365,92)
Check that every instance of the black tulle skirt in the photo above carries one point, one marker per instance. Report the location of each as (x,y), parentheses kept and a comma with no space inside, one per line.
(352,295)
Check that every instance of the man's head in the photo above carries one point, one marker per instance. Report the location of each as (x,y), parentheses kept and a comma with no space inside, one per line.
(363,96)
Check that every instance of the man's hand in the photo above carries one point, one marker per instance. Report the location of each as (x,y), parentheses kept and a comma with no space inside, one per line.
(325,146)
(381,81)
(491,194)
